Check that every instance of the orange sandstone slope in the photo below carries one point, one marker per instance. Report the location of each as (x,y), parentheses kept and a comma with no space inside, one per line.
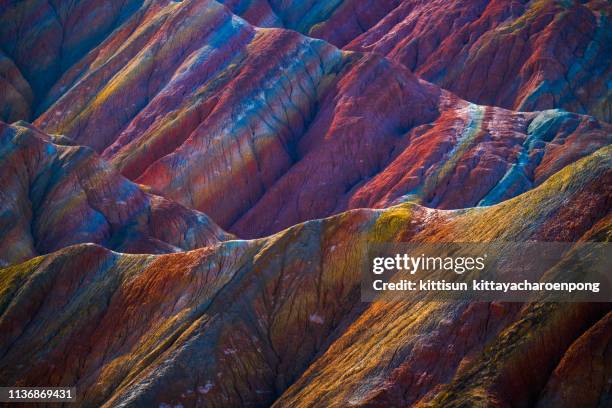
(279,319)
(479,354)
(54,194)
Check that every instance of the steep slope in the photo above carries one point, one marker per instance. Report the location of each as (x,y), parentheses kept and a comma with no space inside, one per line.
(238,323)
(54,194)
(521,55)
(197,102)
(264,128)
(337,21)
(518,55)
(471,155)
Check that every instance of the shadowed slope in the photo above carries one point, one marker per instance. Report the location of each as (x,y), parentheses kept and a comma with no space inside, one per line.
(471,155)
(518,55)
(16,95)
(42,39)
(54,194)
(236,324)
(521,55)
(264,128)
(588,358)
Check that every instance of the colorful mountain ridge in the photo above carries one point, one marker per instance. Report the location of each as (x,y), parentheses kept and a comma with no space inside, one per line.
(189,188)
(205,112)
(240,323)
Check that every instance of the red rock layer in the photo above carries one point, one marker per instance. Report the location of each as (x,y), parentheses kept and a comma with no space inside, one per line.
(471,155)
(469,354)
(521,55)
(265,128)
(54,194)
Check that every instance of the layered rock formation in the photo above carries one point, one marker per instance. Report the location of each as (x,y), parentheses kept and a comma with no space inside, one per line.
(467,354)
(266,116)
(522,55)
(248,323)
(54,194)
(197,102)
(588,357)
(518,55)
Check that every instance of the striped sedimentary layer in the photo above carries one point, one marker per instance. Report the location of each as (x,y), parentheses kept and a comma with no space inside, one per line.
(518,55)
(440,354)
(471,155)
(521,55)
(263,128)
(54,194)
(194,102)
(279,320)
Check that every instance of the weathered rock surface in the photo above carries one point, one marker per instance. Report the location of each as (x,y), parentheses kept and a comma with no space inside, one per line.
(518,55)
(17,98)
(464,354)
(248,323)
(584,375)
(471,155)
(54,194)
(337,21)
(196,103)
(292,112)
(521,55)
